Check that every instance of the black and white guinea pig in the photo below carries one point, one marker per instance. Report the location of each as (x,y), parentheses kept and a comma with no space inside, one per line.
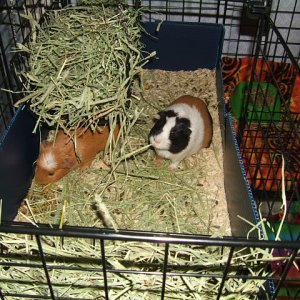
(182,129)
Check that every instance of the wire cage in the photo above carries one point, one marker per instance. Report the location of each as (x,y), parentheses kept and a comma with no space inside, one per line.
(274,136)
(260,64)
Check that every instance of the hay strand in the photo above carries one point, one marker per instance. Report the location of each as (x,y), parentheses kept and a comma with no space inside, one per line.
(82,65)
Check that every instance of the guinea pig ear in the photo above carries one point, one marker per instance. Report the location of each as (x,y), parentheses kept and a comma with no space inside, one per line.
(156,117)
(68,163)
(44,144)
(160,115)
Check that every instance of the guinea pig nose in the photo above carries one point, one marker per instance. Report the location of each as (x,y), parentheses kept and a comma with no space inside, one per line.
(157,140)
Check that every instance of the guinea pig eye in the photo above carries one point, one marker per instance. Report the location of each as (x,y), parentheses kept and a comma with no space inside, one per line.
(51,173)
(173,134)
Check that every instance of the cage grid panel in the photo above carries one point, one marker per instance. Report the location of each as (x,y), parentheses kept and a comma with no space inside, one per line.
(238,42)
(156,277)
(161,274)
(265,141)
(14,29)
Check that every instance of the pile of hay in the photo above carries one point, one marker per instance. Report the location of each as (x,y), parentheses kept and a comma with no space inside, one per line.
(83,71)
(82,64)
(136,193)
(76,270)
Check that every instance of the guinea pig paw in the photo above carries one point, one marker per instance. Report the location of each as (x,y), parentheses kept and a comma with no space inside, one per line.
(173,167)
(158,161)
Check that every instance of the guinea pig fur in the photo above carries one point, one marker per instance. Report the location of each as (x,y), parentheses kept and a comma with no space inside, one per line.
(182,129)
(58,158)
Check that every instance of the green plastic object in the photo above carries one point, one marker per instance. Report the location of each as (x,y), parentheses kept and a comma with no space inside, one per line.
(264,102)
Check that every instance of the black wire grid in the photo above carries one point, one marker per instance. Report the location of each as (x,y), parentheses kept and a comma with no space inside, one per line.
(165,269)
(254,23)
(236,16)
(267,144)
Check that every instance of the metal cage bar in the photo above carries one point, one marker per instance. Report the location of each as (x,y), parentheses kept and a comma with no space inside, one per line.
(169,270)
(271,46)
(262,159)
(104,268)
(225,274)
(43,260)
(240,30)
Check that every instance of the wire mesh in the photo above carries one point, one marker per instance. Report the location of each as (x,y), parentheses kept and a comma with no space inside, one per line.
(240,33)
(14,29)
(102,274)
(268,139)
(263,142)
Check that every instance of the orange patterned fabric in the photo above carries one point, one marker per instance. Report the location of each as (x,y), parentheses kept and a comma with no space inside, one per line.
(261,147)
(262,159)
(236,70)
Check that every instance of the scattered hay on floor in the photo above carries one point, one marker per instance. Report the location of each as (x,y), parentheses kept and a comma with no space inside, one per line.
(135,194)
(138,194)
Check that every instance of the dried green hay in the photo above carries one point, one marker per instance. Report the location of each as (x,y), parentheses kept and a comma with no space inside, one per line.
(136,194)
(139,195)
(76,254)
(82,62)
(101,2)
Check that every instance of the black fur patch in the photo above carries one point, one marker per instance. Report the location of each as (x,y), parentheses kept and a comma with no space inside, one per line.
(180,135)
(161,122)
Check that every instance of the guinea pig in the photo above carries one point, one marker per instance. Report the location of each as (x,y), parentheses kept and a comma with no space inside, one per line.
(182,129)
(58,158)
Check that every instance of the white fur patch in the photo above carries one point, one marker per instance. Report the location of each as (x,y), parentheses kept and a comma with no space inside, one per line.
(48,161)
(197,126)
(196,138)
(163,137)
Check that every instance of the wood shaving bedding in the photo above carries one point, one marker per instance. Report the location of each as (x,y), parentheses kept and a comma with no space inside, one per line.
(138,195)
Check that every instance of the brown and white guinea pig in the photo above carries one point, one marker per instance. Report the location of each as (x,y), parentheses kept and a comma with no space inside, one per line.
(56,159)
(182,129)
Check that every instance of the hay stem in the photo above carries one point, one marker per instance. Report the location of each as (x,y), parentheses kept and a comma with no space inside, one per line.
(283,196)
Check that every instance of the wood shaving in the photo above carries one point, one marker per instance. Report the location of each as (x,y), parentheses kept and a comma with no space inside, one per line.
(138,194)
